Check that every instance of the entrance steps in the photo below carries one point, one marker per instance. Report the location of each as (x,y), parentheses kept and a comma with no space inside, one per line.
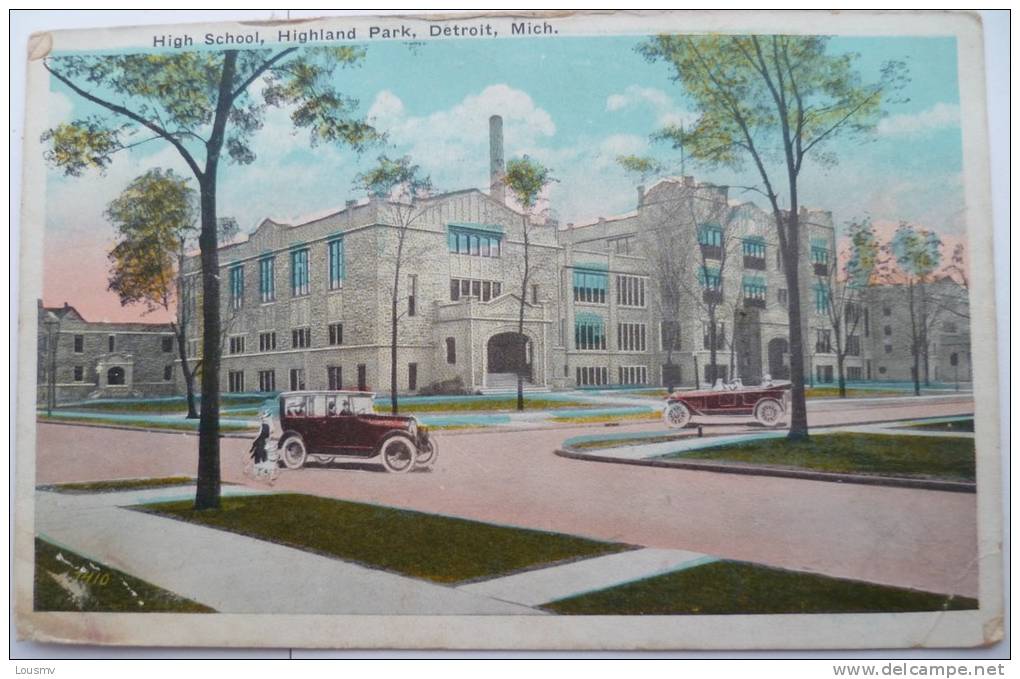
(503,383)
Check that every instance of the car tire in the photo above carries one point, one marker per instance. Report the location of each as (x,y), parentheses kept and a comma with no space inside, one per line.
(427,455)
(676,415)
(293,452)
(398,454)
(768,412)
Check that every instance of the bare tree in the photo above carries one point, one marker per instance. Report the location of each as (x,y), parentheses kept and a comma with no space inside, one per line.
(403,188)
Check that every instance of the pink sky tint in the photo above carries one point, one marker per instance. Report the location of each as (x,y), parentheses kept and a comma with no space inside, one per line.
(884,230)
(76,270)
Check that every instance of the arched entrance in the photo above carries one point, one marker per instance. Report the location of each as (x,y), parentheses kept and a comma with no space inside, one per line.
(115,376)
(779,358)
(509,352)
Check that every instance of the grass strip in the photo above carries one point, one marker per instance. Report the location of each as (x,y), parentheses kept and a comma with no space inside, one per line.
(190,425)
(626,417)
(119,485)
(950,459)
(65,581)
(419,545)
(730,587)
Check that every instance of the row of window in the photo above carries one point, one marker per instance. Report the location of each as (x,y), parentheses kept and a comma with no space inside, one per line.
(296,378)
(300,276)
(468,242)
(166,344)
(823,343)
(590,287)
(79,373)
(464,288)
(300,338)
(597,376)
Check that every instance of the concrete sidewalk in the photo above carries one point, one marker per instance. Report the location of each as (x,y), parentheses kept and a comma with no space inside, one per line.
(233,573)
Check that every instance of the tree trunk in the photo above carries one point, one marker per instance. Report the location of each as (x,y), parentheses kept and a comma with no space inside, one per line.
(393,352)
(915,346)
(791,258)
(207,495)
(712,341)
(189,377)
(842,377)
(520,318)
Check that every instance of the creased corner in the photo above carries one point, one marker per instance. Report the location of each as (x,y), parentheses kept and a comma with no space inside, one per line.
(39,45)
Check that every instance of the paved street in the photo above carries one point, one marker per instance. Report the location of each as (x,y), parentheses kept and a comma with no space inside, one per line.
(905,537)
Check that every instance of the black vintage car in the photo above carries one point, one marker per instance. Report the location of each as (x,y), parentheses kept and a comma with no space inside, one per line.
(338,425)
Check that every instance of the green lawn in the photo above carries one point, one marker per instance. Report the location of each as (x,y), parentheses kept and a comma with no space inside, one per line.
(950,459)
(625,417)
(65,581)
(119,485)
(951,426)
(189,425)
(428,546)
(163,406)
(730,587)
(833,392)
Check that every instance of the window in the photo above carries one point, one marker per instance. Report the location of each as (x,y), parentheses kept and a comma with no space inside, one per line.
(783,296)
(630,337)
(852,314)
(534,294)
(267,341)
(669,336)
(362,377)
(820,256)
(636,374)
(466,288)
(710,278)
(755,290)
(336,263)
(854,373)
(853,345)
(236,287)
(720,335)
(188,296)
(821,299)
(881,370)
(115,376)
(297,379)
(412,286)
(622,246)
(823,341)
(236,344)
(167,344)
(336,334)
(754,246)
(886,311)
(630,291)
(79,344)
(592,377)
(867,323)
(888,348)
(267,380)
(714,372)
(299,272)
(590,286)
(824,373)
(950,327)
(267,279)
(192,348)
(168,373)
(79,373)
(235,381)
(710,235)
(477,243)
(589,332)
(334,377)
(111,343)
(412,376)
(451,350)
(301,338)
(887,330)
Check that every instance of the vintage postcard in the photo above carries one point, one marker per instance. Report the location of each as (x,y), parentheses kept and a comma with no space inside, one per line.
(611,330)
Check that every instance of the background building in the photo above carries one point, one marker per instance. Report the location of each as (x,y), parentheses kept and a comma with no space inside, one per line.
(79,359)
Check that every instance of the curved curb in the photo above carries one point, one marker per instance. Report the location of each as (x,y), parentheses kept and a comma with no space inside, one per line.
(755,470)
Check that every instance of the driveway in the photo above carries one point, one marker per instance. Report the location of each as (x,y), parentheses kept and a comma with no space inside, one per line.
(906,537)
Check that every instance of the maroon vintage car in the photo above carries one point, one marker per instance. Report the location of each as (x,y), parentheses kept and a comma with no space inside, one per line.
(334,425)
(767,403)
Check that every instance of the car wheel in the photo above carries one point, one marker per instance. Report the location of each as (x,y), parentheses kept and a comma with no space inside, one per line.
(676,415)
(768,412)
(294,452)
(398,454)
(427,454)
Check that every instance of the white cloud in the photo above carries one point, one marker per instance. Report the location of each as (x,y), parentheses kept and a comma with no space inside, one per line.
(660,103)
(937,117)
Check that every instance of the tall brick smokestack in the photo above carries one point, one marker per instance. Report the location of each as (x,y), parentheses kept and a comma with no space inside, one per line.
(497,190)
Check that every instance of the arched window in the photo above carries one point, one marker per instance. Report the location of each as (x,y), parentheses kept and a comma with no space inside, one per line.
(451,350)
(115,376)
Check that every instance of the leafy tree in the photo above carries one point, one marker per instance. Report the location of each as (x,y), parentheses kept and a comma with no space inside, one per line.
(207,106)
(844,291)
(154,218)
(404,188)
(776,100)
(525,178)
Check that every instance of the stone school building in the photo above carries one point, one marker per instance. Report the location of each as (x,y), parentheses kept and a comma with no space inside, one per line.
(306,303)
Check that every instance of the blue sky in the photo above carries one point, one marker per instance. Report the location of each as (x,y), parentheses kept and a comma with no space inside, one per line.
(575,103)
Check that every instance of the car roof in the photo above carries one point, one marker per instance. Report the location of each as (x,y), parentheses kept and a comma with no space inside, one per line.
(341,392)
